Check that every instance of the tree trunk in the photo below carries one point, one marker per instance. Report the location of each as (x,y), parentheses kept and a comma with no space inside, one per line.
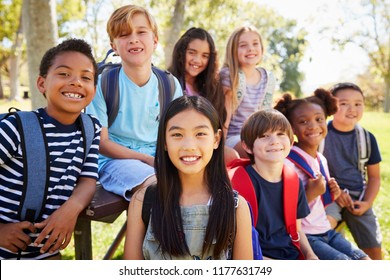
(172,33)
(41,32)
(386,103)
(14,63)
(1,88)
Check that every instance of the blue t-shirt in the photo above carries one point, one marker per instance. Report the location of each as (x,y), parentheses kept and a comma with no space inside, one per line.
(136,124)
(275,242)
(66,152)
(341,151)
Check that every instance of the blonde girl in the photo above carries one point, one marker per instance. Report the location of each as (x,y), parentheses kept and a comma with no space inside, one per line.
(247,87)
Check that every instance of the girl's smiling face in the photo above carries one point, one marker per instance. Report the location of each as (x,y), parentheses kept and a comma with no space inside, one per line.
(249,49)
(309,125)
(197,57)
(190,142)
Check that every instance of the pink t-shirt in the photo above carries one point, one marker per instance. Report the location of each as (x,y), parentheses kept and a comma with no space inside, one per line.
(316,222)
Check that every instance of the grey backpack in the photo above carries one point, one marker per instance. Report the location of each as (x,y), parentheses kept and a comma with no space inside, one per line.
(36,160)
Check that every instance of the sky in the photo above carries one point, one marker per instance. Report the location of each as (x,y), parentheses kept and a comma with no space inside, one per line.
(321,65)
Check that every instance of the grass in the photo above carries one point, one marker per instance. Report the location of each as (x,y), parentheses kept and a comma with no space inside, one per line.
(377,123)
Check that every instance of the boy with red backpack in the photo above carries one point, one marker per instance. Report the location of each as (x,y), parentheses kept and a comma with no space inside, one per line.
(267,138)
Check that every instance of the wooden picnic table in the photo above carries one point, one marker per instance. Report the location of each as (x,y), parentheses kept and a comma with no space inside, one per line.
(105,207)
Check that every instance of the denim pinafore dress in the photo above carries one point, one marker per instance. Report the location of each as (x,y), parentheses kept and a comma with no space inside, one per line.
(195,219)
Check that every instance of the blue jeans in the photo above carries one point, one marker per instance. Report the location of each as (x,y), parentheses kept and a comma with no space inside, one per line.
(333,246)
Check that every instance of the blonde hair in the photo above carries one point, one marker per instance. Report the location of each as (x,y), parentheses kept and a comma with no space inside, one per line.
(121,20)
(231,57)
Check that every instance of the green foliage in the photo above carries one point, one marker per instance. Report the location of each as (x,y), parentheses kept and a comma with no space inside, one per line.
(9,18)
(9,22)
(285,44)
(69,11)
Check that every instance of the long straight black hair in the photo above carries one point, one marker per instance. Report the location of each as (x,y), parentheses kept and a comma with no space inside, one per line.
(166,215)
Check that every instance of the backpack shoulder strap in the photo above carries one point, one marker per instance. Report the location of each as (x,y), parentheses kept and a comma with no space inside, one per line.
(88,131)
(301,163)
(269,90)
(110,90)
(166,87)
(242,183)
(290,202)
(35,164)
(364,146)
(150,194)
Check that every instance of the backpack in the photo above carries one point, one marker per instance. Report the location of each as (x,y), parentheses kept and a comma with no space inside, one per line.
(243,184)
(363,144)
(110,86)
(36,160)
(150,194)
(299,161)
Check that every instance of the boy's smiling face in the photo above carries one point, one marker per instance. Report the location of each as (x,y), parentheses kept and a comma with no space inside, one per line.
(350,112)
(271,147)
(136,45)
(68,86)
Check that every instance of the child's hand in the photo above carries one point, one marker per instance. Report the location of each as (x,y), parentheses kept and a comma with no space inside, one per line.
(345,200)
(360,207)
(334,188)
(59,228)
(14,236)
(315,187)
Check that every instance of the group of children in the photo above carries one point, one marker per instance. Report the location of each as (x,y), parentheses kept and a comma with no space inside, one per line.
(171,164)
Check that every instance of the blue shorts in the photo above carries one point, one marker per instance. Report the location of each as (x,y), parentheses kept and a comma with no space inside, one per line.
(120,176)
(333,246)
(364,229)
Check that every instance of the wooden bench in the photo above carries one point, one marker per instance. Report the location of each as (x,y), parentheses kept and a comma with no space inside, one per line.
(105,207)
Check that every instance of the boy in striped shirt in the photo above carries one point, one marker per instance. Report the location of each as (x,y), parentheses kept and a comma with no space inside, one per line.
(67,79)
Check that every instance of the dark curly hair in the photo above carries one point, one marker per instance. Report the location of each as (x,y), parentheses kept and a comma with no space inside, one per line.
(322,97)
(69,45)
(207,82)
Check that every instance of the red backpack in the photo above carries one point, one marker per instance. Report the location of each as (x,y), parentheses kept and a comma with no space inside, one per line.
(243,184)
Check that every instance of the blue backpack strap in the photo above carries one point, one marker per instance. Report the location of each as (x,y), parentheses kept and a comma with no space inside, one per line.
(101,65)
(35,164)
(110,90)
(166,88)
(327,197)
(302,164)
(88,131)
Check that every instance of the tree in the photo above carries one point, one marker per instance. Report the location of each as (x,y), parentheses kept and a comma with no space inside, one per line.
(11,42)
(41,33)
(369,29)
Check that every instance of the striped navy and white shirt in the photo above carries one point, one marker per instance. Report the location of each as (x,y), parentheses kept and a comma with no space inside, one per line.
(66,149)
